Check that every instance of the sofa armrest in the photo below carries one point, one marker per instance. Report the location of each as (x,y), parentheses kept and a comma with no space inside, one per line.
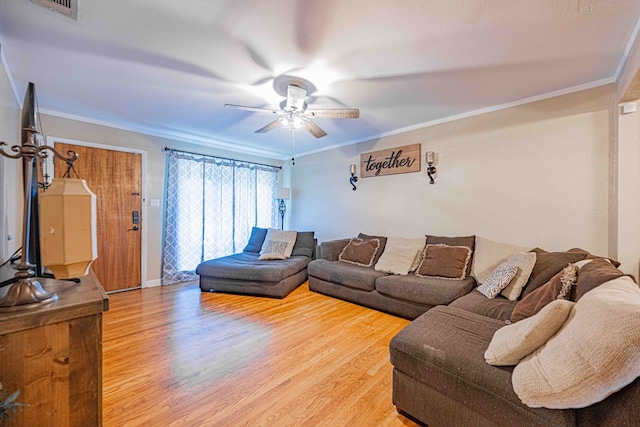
(331,250)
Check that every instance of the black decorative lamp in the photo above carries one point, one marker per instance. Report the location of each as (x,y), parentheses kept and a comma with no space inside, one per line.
(282,194)
(353,179)
(431,170)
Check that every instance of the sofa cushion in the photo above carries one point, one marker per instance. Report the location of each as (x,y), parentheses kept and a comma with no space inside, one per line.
(593,274)
(594,354)
(423,290)
(512,343)
(498,280)
(488,254)
(525,261)
(342,273)
(497,308)
(430,350)
(444,262)
(548,264)
(559,287)
(468,241)
(278,244)
(360,252)
(305,244)
(255,240)
(247,266)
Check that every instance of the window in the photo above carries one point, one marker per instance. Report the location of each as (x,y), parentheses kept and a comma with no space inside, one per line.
(211,206)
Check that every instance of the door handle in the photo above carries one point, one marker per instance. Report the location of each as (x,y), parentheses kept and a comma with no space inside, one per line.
(136,228)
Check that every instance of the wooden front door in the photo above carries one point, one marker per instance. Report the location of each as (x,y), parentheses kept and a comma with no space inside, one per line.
(116,179)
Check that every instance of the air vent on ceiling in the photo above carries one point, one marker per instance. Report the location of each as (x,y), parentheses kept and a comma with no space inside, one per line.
(66,7)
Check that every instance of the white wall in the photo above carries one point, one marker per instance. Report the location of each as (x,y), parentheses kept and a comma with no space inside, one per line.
(154,147)
(536,174)
(10,170)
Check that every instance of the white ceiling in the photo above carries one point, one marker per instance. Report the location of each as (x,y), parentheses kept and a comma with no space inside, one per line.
(168,67)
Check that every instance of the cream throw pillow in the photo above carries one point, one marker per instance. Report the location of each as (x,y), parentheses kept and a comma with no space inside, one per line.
(278,244)
(525,262)
(595,353)
(396,260)
(512,343)
(488,254)
(403,242)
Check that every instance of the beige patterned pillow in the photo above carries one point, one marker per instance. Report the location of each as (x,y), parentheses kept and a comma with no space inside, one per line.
(512,343)
(499,278)
(594,354)
(278,244)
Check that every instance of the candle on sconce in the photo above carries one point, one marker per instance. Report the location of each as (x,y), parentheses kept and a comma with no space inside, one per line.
(352,169)
(430,157)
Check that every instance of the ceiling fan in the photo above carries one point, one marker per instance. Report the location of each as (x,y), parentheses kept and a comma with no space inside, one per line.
(296,115)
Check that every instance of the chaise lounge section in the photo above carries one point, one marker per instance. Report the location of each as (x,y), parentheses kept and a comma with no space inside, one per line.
(246,273)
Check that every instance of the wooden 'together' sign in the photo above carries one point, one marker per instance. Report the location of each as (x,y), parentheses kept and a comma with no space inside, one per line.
(392,161)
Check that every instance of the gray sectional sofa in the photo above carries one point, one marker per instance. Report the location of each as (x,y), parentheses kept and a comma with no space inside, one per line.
(244,273)
(440,374)
(407,296)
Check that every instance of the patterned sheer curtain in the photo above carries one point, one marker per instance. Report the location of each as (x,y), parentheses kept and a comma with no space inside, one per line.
(211,205)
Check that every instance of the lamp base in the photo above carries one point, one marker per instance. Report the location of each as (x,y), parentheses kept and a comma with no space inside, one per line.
(26,291)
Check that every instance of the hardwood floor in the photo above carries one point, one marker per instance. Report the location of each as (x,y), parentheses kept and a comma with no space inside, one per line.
(176,356)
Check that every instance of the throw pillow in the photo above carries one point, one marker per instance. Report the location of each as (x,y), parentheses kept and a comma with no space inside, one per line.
(278,244)
(592,256)
(397,260)
(488,254)
(525,262)
(548,264)
(383,244)
(444,262)
(594,274)
(498,280)
(417,243)
(360,252)
(255,240)
(512,343)
(305,244)
(593,355)
(559,287)
(468,241)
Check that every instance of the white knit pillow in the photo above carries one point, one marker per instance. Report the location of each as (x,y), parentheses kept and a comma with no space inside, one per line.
(397,260)
(512,343)
(499,278)
(594,354)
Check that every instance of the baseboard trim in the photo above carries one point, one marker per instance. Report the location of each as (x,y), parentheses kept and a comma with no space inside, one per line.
(152,283)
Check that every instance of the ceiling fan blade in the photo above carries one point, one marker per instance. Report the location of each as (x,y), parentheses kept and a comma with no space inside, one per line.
(256,109)
(334,113)
(314,129)
(274,124)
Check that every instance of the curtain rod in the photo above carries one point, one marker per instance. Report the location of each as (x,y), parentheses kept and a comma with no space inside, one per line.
(221,158)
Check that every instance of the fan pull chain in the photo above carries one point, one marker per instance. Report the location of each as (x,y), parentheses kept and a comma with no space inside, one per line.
(293,147)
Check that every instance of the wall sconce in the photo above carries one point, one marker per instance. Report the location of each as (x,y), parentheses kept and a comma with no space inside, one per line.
(431,170)
(282,194)
(354,178)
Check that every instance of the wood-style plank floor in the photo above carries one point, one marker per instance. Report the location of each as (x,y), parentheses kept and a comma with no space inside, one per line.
(175,356)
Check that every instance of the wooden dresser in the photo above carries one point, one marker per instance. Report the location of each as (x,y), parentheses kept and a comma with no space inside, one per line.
(52,353)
